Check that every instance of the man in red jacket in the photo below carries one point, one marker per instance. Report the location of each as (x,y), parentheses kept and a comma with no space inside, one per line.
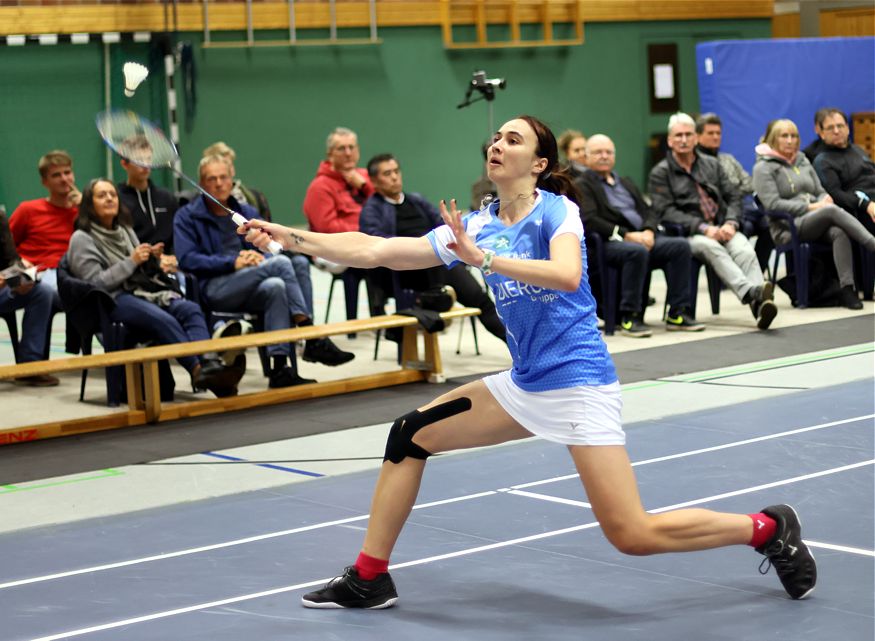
(335,197)
(42,228)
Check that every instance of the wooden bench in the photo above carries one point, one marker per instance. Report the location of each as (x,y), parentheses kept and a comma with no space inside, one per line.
(141,375)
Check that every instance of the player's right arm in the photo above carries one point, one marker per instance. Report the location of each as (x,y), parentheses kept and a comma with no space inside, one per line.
(353,249)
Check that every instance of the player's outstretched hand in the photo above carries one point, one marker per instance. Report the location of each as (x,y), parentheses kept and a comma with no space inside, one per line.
(464,247)
(260,233)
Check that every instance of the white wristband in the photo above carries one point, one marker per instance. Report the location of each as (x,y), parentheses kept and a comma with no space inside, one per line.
(486,265)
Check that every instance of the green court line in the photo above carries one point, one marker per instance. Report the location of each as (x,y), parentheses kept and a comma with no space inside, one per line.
(104,474)
(792,360)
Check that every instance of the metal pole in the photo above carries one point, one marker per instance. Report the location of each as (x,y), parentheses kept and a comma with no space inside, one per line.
(250,33)
(207,22)
(373,12)
(333,21)
(107,101)
(293,36)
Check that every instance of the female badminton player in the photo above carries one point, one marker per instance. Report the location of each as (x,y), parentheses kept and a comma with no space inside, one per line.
(562,386)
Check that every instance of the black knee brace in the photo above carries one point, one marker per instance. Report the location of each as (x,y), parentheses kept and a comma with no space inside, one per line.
(400,443)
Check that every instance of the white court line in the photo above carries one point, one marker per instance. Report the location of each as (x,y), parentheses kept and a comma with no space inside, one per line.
(840,548)
(431,559)
(715,448)
(271,535)
(552,499)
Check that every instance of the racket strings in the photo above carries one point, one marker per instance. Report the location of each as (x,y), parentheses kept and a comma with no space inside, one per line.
(136,139)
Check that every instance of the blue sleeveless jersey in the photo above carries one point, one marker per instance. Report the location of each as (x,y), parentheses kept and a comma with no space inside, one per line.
(552,335)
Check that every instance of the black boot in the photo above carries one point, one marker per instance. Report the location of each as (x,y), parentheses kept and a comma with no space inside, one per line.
(848,298)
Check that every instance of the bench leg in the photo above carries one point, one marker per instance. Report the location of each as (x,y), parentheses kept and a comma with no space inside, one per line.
(134,382)
(409,348)
(152,389)
(433,358)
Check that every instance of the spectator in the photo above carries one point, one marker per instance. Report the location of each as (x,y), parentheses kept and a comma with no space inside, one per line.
(244,195)
(709,129)
(813,150)
(104,250)
(691,190)
(335,197)
(36,301)
(234,277)
(846,172)
(391,212)
(42,228)
(613,208)
(786,181)
(152,209)
(572,145)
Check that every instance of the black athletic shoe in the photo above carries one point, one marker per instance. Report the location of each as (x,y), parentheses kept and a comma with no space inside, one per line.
(632,325)
(848,298)
(218,378)
(350,591)
(682,321)
(788,554)
(322,350)
(286,377)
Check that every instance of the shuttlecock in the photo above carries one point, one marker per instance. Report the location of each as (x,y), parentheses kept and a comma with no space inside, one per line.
(135,73)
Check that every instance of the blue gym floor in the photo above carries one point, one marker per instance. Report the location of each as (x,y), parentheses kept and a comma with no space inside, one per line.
(501,546)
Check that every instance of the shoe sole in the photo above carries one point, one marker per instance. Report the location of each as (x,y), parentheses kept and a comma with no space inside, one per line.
(331,605)
(683,328)
(645,334)
(768,291)
(768,312)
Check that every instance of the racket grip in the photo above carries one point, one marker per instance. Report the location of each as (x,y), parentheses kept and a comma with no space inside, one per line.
(273,247)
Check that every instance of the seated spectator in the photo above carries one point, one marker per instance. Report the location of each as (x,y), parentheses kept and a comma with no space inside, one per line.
(813,150)
(572,145)
(42,228)
(234,277)
(152,209)
(613,208)
(105,250)
(335,197)
(391,212)
(483,191)
(691,190)
(709,130)
(785,181)
(846,172)
(36,301)
(244,195)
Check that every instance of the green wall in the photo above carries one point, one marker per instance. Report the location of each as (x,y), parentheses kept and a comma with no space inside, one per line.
(275,106)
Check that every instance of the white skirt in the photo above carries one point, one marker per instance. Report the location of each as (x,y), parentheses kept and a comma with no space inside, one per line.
(583,415)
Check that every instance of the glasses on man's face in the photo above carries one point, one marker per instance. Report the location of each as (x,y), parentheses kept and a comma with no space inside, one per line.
(836,127)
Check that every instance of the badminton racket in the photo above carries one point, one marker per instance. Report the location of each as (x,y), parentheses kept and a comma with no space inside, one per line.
(143,143)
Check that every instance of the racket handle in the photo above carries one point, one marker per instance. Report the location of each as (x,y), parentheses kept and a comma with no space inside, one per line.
(273,247)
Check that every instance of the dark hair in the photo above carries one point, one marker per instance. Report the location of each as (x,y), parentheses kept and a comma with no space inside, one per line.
(375,162)
(554,178)
(822,114)
(87,216)
(707,119)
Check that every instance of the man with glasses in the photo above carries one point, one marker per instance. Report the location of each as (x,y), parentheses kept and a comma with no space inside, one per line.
(847,173)
(691,191)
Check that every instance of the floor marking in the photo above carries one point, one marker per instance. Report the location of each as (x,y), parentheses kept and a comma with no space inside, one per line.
(552,499)
(839,548)
(714,448)
(431,559)
(270,535)
(269,466)
(104,474)
(225,544)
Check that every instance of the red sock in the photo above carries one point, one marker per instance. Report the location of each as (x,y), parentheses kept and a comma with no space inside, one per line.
(369,567)
(764,528)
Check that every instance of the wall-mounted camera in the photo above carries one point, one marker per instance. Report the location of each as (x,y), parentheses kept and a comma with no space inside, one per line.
(485,86)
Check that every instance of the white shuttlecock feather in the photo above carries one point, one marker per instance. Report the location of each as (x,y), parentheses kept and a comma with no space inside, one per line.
(135,73)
